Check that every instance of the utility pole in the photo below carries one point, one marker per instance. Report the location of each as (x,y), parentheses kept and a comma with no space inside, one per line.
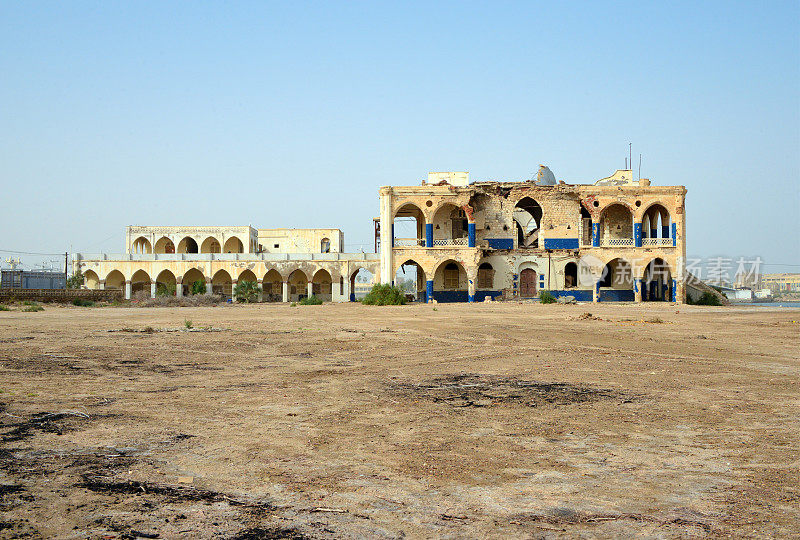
(66,264)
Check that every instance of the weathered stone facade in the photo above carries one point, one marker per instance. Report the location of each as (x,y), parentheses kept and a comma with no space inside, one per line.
(620,240)
(616,239)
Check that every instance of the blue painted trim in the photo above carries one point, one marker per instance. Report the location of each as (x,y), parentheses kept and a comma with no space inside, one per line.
(597,289)
(643,286)
(636,285)
(615,295)
(637,234)
(471,298)
(581,295)
(429,290)
(451,296)
(429,234)
(500,243)
(674,234)
(595,234)
(481,295)
(470,234)
(352,297)
(561,243)
(674,294)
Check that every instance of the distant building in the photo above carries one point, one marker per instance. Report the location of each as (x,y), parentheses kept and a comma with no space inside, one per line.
(32,279)
(781,283)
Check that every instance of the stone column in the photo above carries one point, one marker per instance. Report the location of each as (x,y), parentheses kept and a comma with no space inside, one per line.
(128,290)
(285,291)
(429,235)
(179,288)
(429,290)
(336,290)
(471,234)
(310,288)
(260,283)
(153,289)
(101,284)
(209,287)
(595,234)
(472,277)
(596,292)
(386,235)
(233,286)
(637,235)
(637,290)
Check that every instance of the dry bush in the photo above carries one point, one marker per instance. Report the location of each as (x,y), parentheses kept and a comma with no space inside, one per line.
(184,301)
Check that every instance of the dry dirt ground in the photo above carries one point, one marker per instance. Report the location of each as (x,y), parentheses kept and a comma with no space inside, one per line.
(351,421)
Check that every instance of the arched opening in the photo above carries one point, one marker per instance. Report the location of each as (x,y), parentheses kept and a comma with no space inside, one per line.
(361,282)
(188,245)
(586,227)
(528,282)
(233,245)
(616,226)
(166,283)
(141,245)
(657,283)
(409,226)
(91,280)
(222,284)
(616,283)
(485,277)
(247,275)
(410,277)
(193,282)
(272,286)
(322,286)
(656,226)
(164,245)
(528,219)
(140,283)
(450,226)
(570,275)
(298,286)
(450,282)
(210,245)
(115,280)
(325,245)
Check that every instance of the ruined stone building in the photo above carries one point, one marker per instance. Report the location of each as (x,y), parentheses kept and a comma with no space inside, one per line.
(616,239)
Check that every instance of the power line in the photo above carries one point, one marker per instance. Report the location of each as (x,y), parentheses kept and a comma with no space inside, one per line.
(28,252)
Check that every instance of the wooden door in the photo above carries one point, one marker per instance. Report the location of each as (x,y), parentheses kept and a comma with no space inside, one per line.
(527,283)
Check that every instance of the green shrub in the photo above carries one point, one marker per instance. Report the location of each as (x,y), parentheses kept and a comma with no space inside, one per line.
(546,298)
(29,303)
(4,308)
(294,304)
(385,295)
(33,308)
(75,281)
(246,291)
(165,289)
(188,324)
(707,299)
(80,302)
(311,301)
(198,287)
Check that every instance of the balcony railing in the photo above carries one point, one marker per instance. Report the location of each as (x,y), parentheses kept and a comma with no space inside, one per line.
(409,242)
(618,242)
(657,242)
(450,241)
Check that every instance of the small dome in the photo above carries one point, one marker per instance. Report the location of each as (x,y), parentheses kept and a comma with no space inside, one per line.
(545,177)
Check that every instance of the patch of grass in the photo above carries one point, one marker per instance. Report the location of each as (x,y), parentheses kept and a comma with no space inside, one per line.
(33,308)
(80,302)
(385,295)
(546,298)
(188,324)
(29,303)
(311,301)
(4,308)
(707,299)
(294,304)
(148,330)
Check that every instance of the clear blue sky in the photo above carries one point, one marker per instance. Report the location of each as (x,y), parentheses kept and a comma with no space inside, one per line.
(293,114)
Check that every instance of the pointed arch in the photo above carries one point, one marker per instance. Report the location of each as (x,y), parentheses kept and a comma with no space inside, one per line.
(115,280)
(528,218)
(298,285)
(141,246)
(233,245)
(210,245)
(190,277)
(164,245)
(140,282)
(166,283)
(322,285)
(450,282)
(188,245)
(91,280)
(272,286)
(413,272)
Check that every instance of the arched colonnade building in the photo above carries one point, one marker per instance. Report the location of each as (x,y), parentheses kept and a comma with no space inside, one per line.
(616,239)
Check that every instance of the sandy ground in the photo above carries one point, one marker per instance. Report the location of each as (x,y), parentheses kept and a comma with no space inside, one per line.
(488,420)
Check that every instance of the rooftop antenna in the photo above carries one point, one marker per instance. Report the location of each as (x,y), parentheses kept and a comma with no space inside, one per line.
(640,166)
(13,262)
(630,161)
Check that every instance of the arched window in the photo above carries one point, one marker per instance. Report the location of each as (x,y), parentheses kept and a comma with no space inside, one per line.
(485,276)
(325,246)
(451,276)
(570,275)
